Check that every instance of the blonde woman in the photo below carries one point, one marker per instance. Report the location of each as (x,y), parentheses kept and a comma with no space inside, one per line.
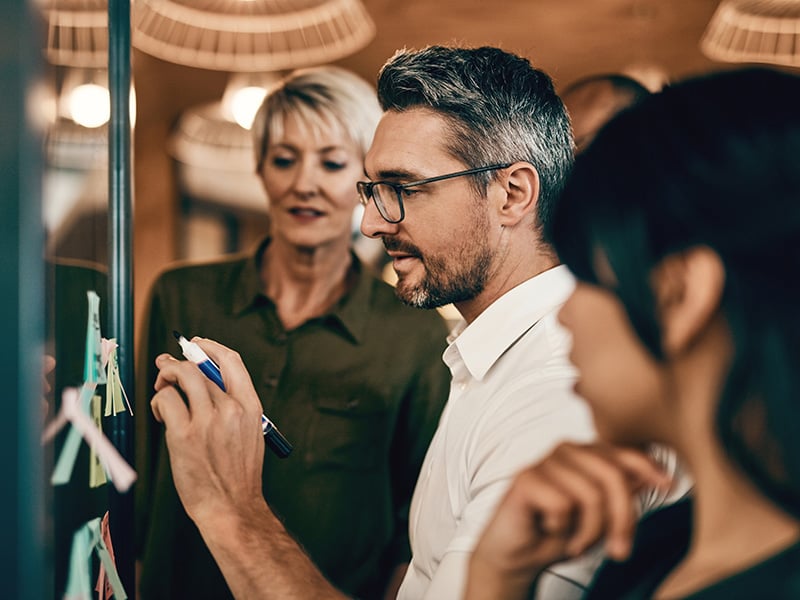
(353,378)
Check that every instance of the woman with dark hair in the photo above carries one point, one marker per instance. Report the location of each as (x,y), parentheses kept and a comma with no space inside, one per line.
(682,225)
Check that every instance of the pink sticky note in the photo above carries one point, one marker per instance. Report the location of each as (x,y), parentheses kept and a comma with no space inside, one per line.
(119,471)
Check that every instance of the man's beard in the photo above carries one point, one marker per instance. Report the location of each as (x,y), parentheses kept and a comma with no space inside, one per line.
(459,277)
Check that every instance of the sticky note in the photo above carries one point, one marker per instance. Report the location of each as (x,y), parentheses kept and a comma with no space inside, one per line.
(85,540)
(97,475)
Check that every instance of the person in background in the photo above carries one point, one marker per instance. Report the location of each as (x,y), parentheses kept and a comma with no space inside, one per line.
(352,378)
(686,296)
(593,100)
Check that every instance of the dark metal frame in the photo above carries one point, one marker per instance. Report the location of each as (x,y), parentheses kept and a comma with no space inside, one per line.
(120,281)
(366,189)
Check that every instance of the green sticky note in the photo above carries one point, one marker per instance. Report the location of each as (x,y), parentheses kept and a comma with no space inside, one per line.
(97,474)
(79,576)
(69,451)
(93,358)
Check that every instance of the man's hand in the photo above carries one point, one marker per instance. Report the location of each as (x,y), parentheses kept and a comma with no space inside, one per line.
(216,451)
(557,509)
(215,441)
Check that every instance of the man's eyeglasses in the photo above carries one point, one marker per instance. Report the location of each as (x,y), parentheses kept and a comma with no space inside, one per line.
(388,196)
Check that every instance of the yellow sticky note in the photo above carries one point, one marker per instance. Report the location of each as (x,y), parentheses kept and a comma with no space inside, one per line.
(114,390)
(110,381)
(97,474)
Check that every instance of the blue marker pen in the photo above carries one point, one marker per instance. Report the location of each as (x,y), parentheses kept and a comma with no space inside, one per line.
(195,353)
(274,438)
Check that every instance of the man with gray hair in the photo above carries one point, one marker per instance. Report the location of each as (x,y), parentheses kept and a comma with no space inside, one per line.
(466,164)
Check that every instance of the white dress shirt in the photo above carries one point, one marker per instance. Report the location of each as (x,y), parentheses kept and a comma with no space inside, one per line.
(511,402)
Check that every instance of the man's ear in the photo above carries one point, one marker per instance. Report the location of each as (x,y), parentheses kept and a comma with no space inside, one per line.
(521,193)
(688,288)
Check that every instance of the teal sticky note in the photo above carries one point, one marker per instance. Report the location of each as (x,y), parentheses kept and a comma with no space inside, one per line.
(79,576)
(93,356)
(69,451)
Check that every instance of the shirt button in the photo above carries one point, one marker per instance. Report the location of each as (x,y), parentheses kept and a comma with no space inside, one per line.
(352,403)
(270,381)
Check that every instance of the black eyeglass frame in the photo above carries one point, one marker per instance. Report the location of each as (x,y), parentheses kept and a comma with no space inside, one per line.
(365,189)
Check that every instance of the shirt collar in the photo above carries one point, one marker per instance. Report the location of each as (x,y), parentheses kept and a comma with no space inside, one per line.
(355,307)
(350,313)
(247,287)
(481,343)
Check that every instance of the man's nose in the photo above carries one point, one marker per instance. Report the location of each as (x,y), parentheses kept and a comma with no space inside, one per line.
(373,224)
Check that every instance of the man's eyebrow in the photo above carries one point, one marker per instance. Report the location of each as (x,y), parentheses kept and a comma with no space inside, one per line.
(393,174)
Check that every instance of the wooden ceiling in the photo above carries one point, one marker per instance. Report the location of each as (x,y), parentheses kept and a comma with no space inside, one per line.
(567,38)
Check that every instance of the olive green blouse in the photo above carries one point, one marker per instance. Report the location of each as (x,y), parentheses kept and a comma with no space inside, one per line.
(358,392)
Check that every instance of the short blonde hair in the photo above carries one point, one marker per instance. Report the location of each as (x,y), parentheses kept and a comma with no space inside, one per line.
(320,97)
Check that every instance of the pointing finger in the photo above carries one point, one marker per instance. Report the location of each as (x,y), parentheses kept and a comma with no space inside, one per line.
(186,376)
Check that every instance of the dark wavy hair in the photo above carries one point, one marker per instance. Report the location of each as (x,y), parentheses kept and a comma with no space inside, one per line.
(712,161)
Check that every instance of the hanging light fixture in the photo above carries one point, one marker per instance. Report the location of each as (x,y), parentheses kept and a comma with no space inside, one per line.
(213,145)
(251,35)
(77,32)
(215,158)
(257,41)
(77,44)
(761,31)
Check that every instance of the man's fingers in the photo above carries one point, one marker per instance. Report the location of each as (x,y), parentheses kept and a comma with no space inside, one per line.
(187,377)
(161,361)
(168,408)
(219,352)
(235,374)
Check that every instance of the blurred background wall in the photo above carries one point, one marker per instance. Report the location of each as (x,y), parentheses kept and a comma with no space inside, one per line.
(566,38)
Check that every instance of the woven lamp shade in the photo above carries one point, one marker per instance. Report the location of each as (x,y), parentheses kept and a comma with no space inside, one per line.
(251,35)
(215,157)
(763,31)
(77,32)
(72,146)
